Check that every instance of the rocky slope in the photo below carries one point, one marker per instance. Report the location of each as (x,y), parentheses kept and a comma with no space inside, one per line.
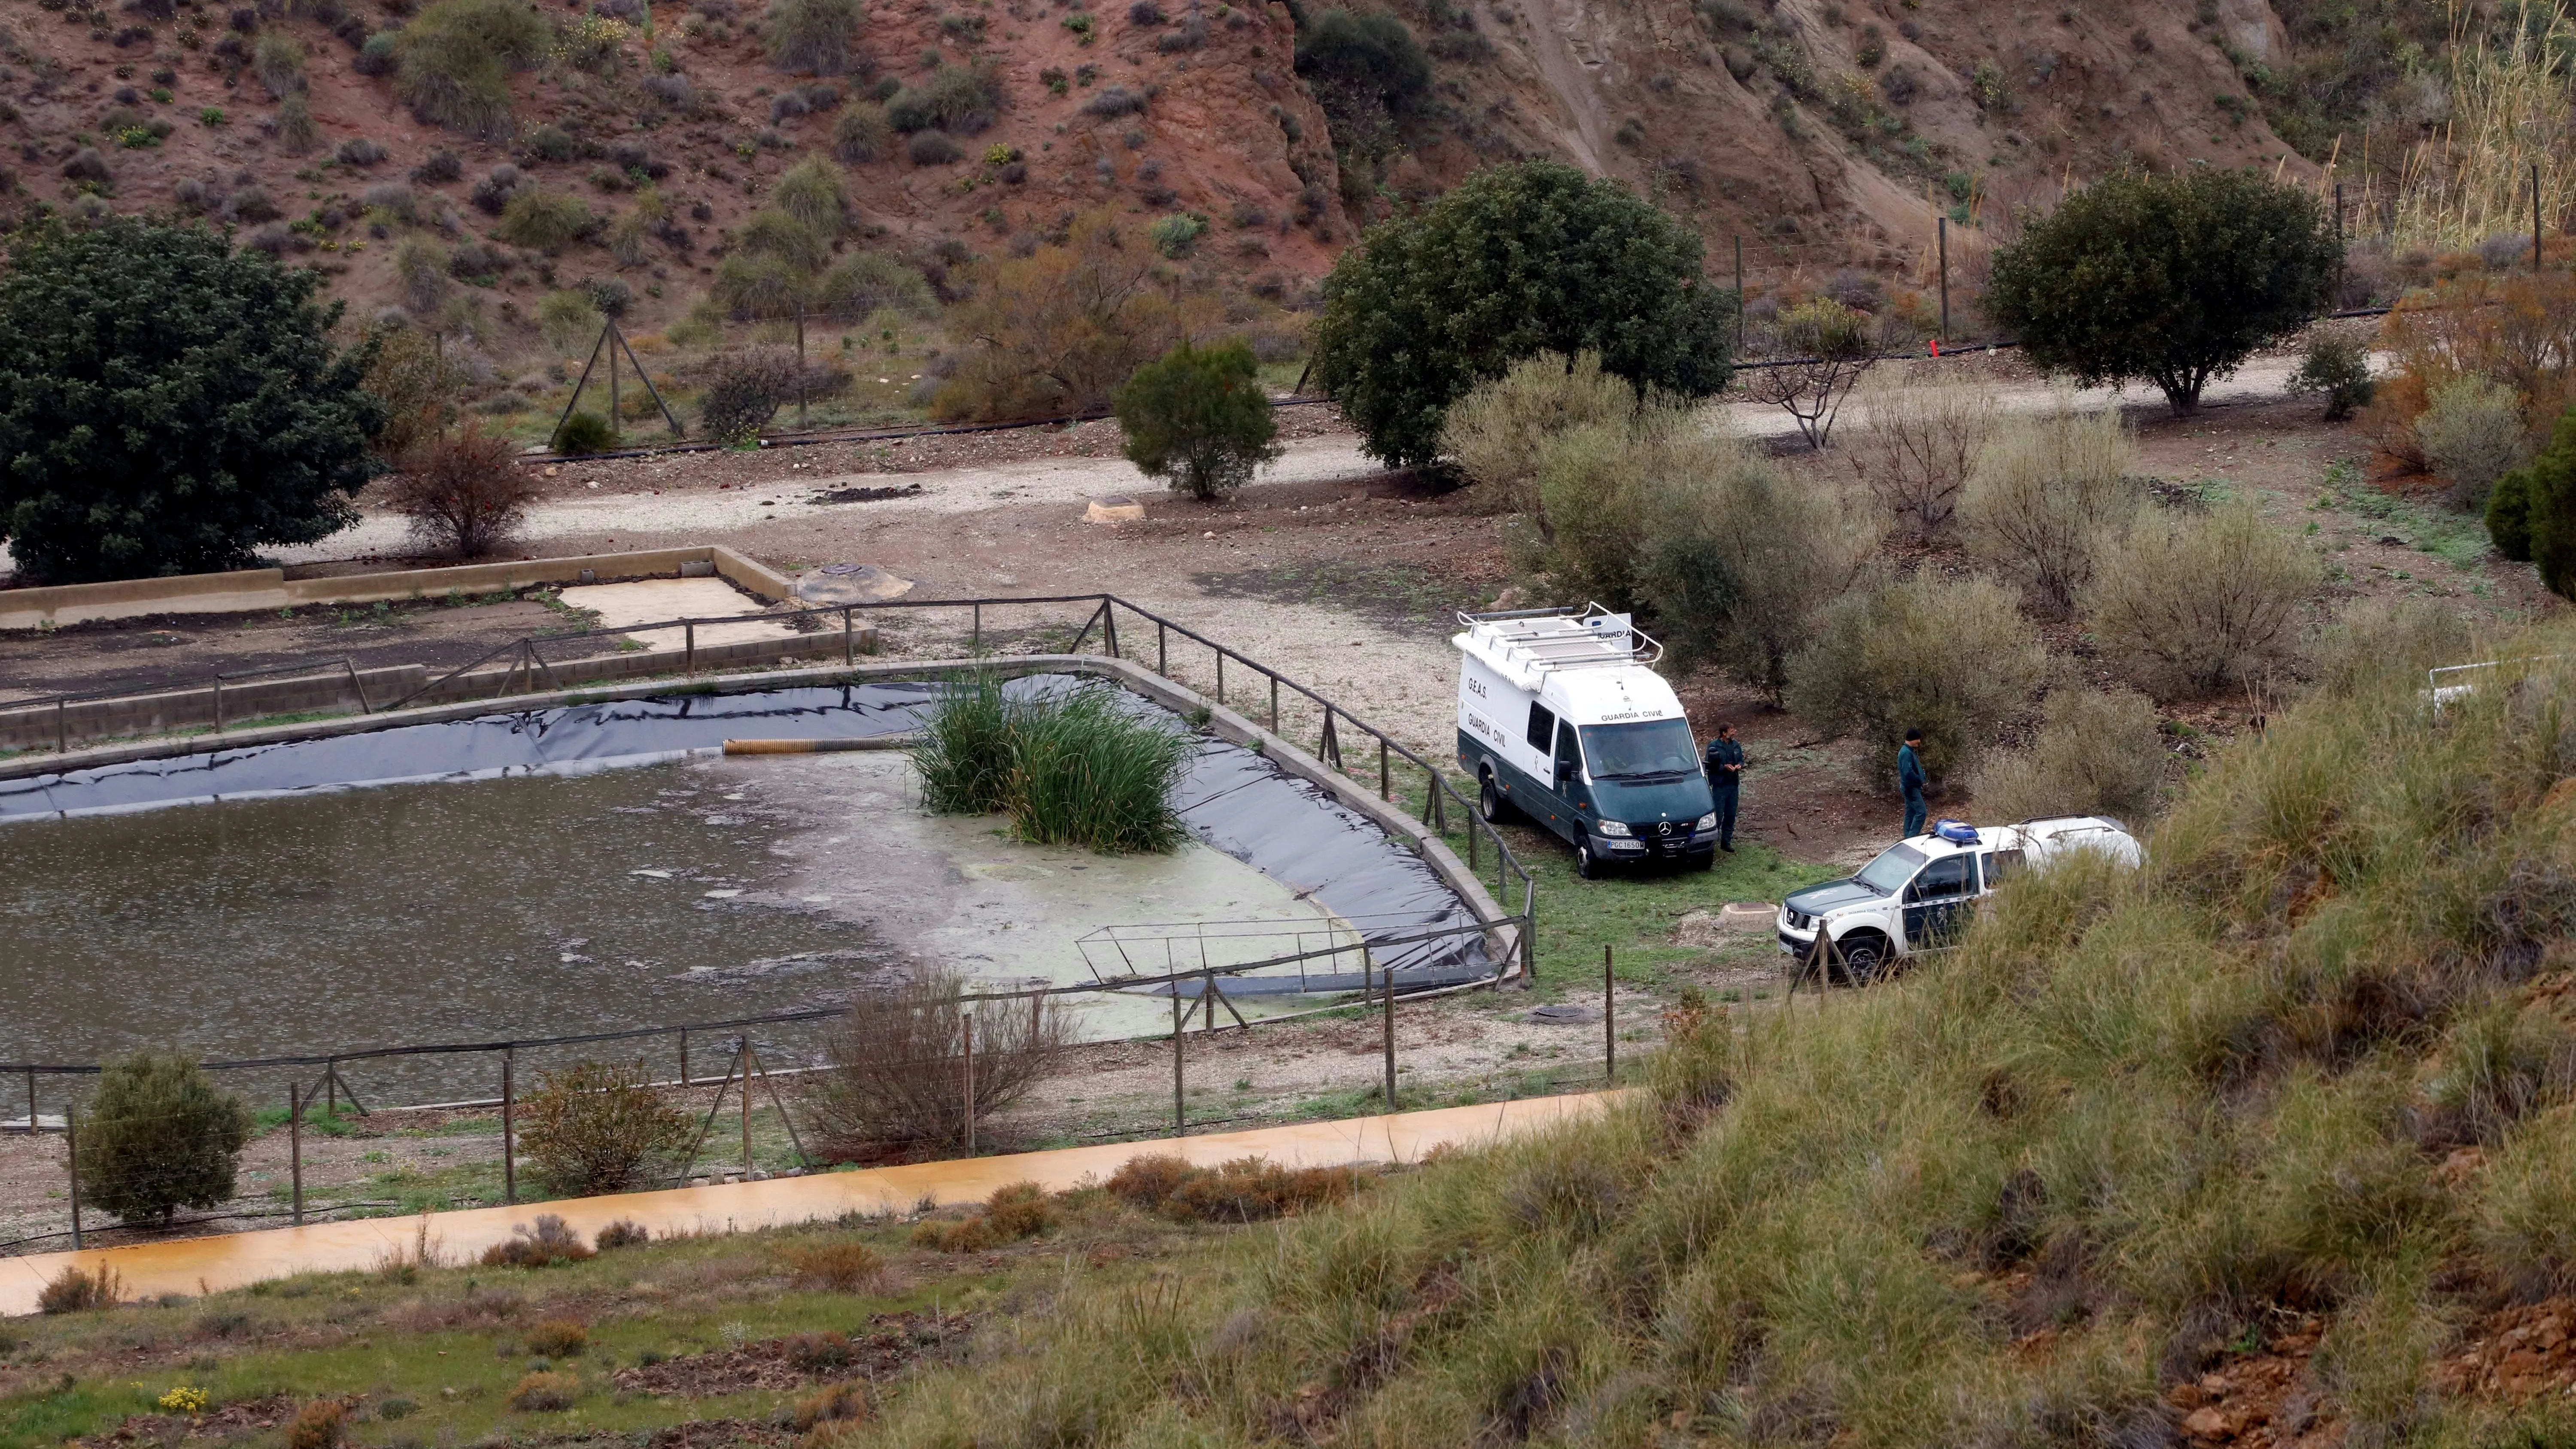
(1823,134)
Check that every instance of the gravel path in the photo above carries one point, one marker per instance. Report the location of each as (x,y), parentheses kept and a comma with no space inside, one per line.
(1330,458)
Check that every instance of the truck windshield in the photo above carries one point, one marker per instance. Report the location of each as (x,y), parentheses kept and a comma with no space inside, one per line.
(1656,749)
(1888,874)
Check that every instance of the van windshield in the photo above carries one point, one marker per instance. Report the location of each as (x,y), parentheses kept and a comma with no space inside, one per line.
(1657,749)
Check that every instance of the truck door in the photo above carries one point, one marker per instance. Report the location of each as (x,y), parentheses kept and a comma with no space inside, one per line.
(1544,804)
(1937,902)
(1567,779)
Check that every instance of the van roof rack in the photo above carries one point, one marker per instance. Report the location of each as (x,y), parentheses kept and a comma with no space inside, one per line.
(1543,640)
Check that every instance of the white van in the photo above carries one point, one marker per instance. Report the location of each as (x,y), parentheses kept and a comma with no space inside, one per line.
(1920,892)
(1562,718)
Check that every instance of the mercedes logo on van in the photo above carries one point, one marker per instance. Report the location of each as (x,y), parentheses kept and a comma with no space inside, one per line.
(1664,829)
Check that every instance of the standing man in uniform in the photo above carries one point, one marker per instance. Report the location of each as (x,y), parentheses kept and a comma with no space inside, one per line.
(1724,766)
(1910,779)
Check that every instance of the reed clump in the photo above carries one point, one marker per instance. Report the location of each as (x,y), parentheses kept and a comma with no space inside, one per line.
(1075,767)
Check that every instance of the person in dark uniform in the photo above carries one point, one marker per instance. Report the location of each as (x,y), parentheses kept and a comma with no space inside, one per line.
(1910,779)
(1724,765)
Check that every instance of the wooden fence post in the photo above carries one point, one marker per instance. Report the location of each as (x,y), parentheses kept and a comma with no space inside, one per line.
(1180,1116)
(509,1133)
(295,1145)
(968,1022)
(1609,1022)
(71,1164)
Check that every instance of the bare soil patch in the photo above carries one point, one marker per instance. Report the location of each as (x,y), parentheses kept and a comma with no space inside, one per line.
(890,1343)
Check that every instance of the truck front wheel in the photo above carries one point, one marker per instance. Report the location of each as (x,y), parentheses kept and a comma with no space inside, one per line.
(1489,800)
(1586,864)
(1864,955)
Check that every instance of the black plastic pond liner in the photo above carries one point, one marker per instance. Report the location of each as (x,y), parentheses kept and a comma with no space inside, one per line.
(549,741)
(1231,798)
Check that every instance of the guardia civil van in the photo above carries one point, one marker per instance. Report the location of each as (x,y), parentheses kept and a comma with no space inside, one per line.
(1562,719)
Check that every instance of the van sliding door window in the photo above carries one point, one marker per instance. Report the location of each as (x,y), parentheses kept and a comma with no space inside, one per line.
(1542,727)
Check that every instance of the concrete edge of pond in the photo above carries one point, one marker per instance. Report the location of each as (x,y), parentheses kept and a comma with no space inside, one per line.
(234,1260)
(1226,722)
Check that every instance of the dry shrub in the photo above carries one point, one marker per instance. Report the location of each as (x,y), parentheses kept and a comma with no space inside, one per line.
(2471,432)
(897,1064)
(1499,429)
(819,1353)
(558,1338)
(745,389)
(599,1127)
(2046,494)
(843,1267)
(2369,641)
(623,1233)
(545,1392)
(1056,331)
(1247,1189)
(321,1424)
(75,1291)
(1742,566)
(2202,604)
(2098,753)
(464,494)
(540,1245)
(2517,328)
(844,1402)
(1925,430)
(1953,658)
(1011,1214)
(2396,401)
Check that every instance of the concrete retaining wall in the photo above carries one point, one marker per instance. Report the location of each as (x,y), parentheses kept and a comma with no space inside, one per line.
(251,589)
(40,728)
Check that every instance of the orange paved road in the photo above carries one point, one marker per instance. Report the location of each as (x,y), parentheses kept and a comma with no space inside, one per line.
(201,1265)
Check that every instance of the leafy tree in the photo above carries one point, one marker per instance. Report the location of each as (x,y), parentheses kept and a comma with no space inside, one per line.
(1518,259)
(2173,279)
(1058,331)
(168,404)
(1366,66)
(157,1136)
(2532,512)
(1196,419)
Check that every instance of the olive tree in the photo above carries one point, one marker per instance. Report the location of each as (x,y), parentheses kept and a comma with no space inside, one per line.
(169,404)
(1196,419)
(1518,259)
(158,1136)
(2172,279)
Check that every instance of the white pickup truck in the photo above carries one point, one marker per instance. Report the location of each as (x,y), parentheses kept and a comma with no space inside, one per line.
(1920,892)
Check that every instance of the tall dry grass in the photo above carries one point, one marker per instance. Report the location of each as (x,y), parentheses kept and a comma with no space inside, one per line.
(2155,1113)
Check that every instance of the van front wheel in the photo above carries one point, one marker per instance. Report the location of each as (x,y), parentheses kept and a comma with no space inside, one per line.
(1586,864)
(1489,800)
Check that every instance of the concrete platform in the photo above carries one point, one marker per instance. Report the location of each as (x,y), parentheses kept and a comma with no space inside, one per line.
(213,1264)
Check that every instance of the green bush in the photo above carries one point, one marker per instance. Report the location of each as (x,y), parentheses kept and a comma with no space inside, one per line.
(1196,418)
(1366,66)
(1953,658)
(2336,366)
(866,283)
(421,266)
(2173,278)
(2509,512)
(1177,235)
(2046,497)
(545,221)
(585,432)
(1071,769)
(2471,431)
(1498,430)
(296,132)
(598,1128)
(551,142)
(279,63)
(1518,259)
(2548,499)
(2203,604)
(570,322)
(960,100)
(130,450)
(1742,569)
(811,36)
(158,1136)
(2097,753)
(861,133)
(455,58)
(813,192)
(933,148)
(2371,641)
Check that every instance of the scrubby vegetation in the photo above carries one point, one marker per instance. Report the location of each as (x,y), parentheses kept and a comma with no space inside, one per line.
(897,1078)
(464,492)
(1071,768)
(158,1135)
(1196,418)
(599,1127)
(453,62)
